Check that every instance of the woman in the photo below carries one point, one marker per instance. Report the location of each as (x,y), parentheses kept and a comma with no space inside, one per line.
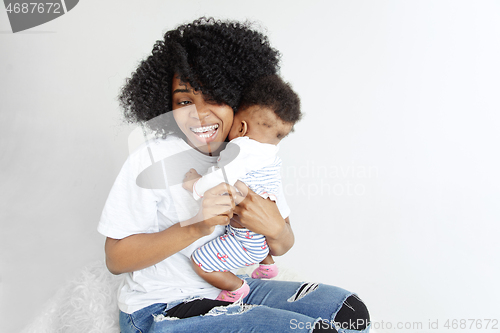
(152,231)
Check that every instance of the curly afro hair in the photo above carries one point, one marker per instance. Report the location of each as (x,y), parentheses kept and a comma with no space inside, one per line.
(272,92)
(218,58)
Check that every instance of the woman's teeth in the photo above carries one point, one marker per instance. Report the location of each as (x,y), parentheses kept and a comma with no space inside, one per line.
(204,128)
(205,131)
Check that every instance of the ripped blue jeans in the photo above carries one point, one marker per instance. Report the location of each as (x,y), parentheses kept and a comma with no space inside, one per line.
(272,306)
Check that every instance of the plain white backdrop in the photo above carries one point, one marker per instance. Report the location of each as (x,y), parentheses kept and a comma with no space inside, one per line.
(392,176)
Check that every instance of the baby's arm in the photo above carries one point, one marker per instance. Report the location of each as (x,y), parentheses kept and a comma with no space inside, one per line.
(234,162)
(190,179)
(198,184)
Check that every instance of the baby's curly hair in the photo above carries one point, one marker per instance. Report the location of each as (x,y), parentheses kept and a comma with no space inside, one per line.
(218,58)
(272,92)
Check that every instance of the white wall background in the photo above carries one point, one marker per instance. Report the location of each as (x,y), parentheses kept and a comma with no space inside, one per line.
(393,175)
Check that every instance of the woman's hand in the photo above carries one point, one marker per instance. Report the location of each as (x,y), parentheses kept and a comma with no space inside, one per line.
(262,216)
(139,251)
(216,209)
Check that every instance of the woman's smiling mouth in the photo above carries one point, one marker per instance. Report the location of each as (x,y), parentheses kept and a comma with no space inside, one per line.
(205,132)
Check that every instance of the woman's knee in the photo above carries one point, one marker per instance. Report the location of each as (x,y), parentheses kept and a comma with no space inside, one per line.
(353,314)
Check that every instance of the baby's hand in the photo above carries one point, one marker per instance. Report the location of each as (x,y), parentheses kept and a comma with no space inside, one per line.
(189,179)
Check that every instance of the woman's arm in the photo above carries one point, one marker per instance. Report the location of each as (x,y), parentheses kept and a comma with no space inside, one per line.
(263,216)
(143,250)
(280,245)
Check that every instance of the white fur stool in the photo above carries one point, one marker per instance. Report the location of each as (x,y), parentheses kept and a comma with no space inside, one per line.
(86,304)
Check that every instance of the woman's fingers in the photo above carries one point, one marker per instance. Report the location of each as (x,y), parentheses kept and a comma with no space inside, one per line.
(222,194)
(218,202)
(221,189)
(214,210)
(220,220)
(257,214)
(242,192)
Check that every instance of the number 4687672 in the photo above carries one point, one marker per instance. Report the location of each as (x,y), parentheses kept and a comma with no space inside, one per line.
(478,324)
(32,7)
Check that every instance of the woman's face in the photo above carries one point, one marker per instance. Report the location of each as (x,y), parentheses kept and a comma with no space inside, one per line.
(206,125)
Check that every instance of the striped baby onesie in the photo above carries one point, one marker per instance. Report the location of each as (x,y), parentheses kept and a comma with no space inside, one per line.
(256,165)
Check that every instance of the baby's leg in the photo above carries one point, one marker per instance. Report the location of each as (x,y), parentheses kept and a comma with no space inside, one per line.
(268,260)
(267,269)
(233,288)
(213,261)
(221,280)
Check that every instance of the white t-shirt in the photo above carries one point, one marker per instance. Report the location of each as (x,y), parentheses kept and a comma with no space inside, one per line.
(248,160)
(160,203)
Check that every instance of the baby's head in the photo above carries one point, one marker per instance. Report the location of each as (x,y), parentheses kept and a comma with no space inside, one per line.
(268,110)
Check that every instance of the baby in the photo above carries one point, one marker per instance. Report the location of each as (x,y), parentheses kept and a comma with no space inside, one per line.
(267,113)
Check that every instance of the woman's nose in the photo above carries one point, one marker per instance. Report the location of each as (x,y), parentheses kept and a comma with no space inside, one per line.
(201,111)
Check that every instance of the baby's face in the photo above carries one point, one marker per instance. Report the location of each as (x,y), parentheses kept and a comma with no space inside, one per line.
(262,125)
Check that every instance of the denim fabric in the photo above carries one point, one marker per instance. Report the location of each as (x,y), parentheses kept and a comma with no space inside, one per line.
(272,307)
(141,320)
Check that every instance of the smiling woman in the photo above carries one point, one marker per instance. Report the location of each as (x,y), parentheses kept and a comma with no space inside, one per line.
(218,59)
(204,123)
(199,71)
